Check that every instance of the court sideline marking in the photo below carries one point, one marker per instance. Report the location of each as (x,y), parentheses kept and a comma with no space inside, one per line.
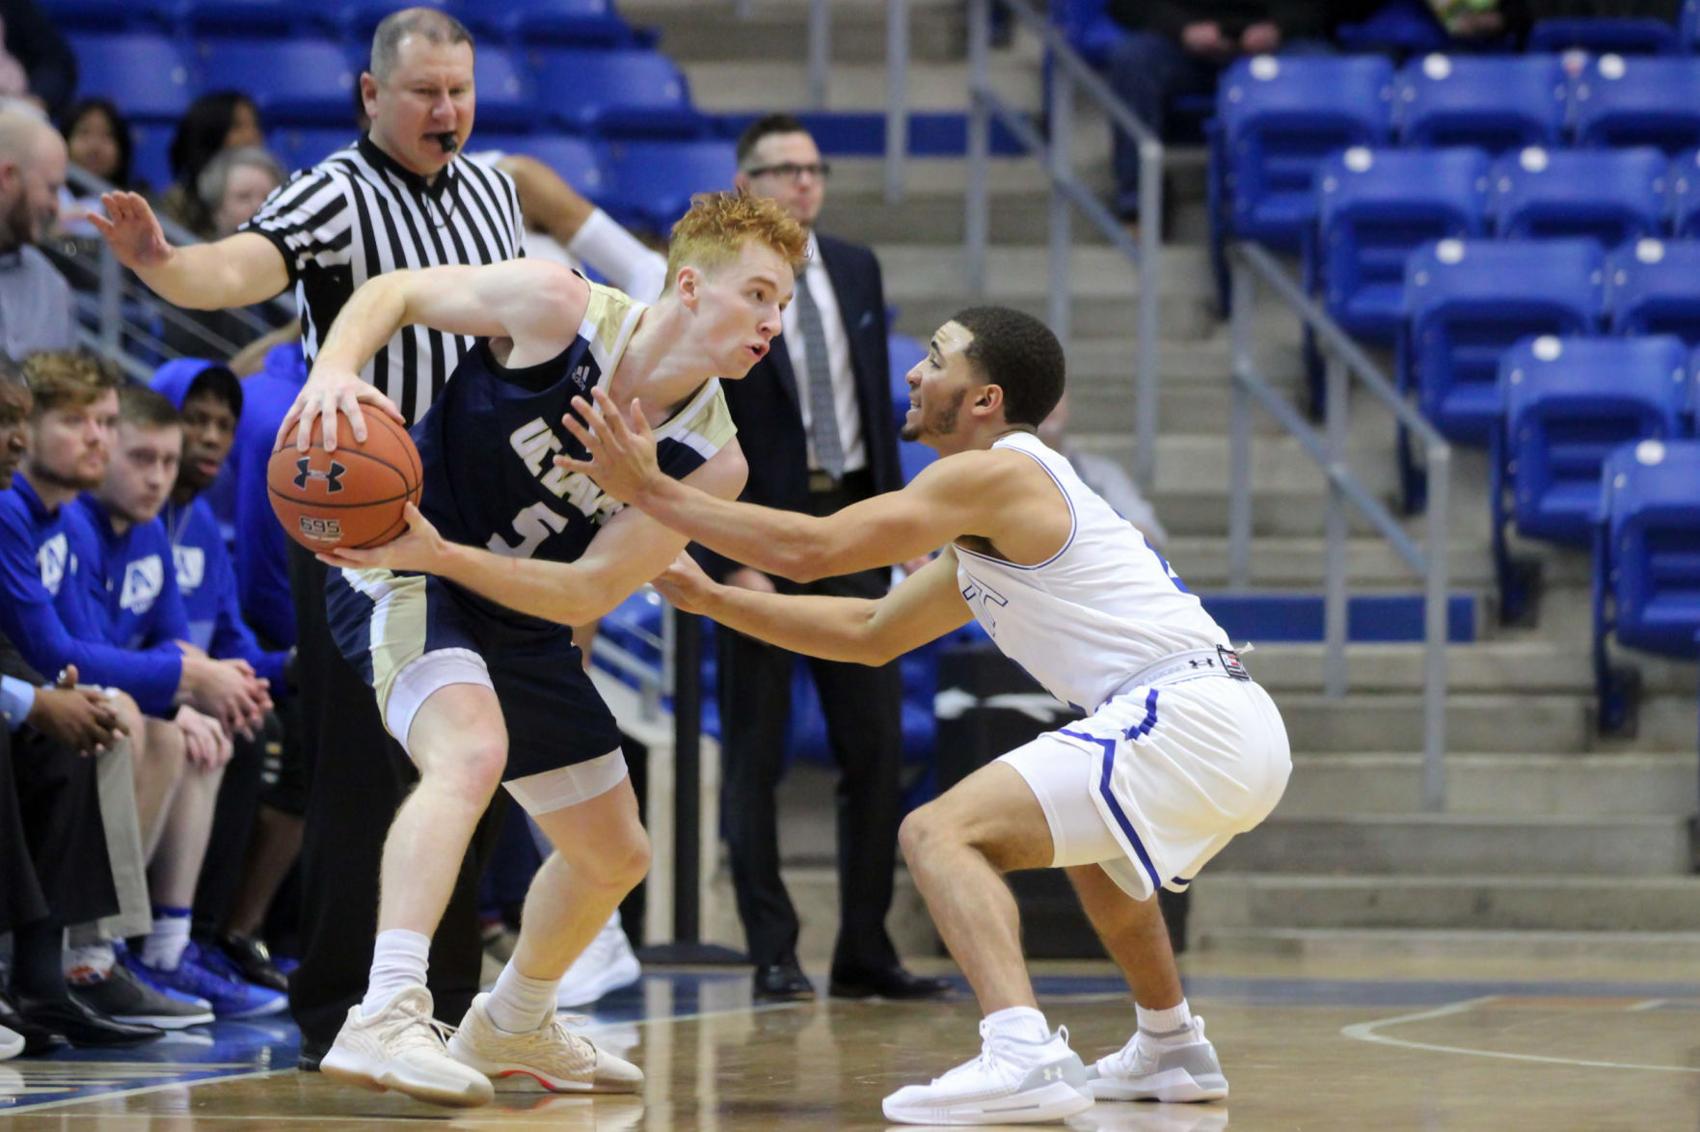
(1366,1032)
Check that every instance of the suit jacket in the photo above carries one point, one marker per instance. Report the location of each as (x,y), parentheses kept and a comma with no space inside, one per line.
(765,404)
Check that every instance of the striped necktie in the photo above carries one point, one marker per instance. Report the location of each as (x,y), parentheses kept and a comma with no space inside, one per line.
(823,408)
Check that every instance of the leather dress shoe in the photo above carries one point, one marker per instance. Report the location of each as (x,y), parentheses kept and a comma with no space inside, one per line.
(37,1039)
(311,1053)
(779,982)
(890,982)
(251,957)
(82,1026)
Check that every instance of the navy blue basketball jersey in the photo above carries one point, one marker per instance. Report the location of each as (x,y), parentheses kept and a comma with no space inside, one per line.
(489,441)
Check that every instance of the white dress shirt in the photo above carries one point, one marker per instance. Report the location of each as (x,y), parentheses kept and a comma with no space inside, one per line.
(815,278)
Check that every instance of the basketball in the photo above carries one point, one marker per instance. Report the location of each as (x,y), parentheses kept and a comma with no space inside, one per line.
(351,498)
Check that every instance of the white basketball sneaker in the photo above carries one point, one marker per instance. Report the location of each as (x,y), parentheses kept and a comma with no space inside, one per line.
(1176,1066)
(1011,1082)
(403,1048)
(551,1058)
(606,965)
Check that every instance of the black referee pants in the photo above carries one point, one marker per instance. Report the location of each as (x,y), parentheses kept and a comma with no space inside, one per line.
(357,777)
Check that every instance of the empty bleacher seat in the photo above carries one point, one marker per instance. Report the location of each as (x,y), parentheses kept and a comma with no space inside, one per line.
(145,74)
(1654,288)
(506,98)
(1494,102)
(582,23)
(1469,300)
(576,160)
(626,93)
(1685,193)
(1646,585)
(251,19)
(1625,35)
(1279,118)
(1374,208)
(653,180)
(292,81)
(1568,404)
(1612,196)
(1623,101)
(299,147)
(1688,25)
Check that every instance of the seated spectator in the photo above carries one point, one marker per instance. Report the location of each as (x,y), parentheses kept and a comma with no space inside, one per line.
(100,143)
(35,300)
(36,64)
(1180,47)
(230,189)
(53,860)
(214,122)
(58,555)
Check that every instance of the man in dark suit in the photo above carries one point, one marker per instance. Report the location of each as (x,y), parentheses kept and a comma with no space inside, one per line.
(814,418)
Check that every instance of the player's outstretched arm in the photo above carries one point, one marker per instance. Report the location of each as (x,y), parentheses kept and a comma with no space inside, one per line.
(629,550)
(233,272)
(959,495)
(926,606)
(539,305)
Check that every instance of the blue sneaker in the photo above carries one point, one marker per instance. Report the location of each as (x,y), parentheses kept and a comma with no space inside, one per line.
(195,975)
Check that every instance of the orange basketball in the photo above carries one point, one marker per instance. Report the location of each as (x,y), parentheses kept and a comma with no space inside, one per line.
(349,498)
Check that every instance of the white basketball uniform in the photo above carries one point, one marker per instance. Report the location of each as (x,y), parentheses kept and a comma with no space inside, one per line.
(1180,749)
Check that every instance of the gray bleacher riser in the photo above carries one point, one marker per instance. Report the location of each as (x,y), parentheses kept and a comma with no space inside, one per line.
(1496,784)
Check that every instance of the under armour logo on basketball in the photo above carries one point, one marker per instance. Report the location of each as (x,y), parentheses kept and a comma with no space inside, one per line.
(305,471)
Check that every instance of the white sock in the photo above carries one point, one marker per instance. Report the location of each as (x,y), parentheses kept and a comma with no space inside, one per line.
(520,1004)
(163,948)
(1022,1022)
(398,962)
(88,963)
(1164,1023)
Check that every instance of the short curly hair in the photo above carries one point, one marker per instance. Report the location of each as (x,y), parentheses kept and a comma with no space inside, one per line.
(61,379)
(715,229)
(1019,353)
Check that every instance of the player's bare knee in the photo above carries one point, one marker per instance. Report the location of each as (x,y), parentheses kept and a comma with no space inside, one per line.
(923,833)
(617,863)
(471,770)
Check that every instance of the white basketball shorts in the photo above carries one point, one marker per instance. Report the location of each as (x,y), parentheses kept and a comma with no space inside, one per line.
(1154,783)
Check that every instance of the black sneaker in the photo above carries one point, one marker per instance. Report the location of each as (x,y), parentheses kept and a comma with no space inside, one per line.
(123,996)
(311,1053)
(252,960)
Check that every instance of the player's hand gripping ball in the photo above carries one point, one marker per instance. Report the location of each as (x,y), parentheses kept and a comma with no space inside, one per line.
(350,498)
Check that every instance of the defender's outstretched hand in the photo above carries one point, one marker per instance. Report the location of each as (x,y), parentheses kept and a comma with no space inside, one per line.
(133,231)
(685,585)
(418,549)
(622,453)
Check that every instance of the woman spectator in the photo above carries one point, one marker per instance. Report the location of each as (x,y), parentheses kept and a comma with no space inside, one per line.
(214,122)
(99,141)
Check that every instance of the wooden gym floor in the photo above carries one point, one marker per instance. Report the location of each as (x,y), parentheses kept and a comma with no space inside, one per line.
(1398,1043)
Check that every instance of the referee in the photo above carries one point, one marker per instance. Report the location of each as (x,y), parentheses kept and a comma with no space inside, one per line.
(402,196)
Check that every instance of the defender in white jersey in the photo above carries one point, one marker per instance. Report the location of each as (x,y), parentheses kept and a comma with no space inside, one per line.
(1179,752)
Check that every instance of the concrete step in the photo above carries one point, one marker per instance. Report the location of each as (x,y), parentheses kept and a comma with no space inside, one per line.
(1091,313)
(710,30)
(1544,723)
(1526,665)
(1496,784)
(1241,901)
(1445,844)
(723,86)
(1331,947)
(1017,270)
(1297,562)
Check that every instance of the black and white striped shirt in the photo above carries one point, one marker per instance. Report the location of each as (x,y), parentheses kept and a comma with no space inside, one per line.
(357,214)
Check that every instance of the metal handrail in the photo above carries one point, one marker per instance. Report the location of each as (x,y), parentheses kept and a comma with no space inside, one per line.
(1069,73)
(1250,265)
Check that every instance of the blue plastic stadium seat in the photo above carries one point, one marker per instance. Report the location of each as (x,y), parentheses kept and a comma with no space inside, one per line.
(1625,35)
(1646,587)
(1613,196)
(1088,27)
(1374,208)
(356,20)
(575,159)
(564,23)
(1396,27)
(507,99)
(292,81)
(1624,101)
(299,147)
(1494,102)
(1654,288)
(248,19)
(1468,301)
(1568,404)
(1688,25)
(624,93)
(152,162)
(1685,193)
(653,181)
(1279,118)
(105,17)
(146,75)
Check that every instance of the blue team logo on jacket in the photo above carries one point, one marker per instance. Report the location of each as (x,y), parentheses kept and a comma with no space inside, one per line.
(143,581)
(191,567)
(53,558)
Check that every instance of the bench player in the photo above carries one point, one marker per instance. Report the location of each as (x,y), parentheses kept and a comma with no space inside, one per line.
(1179,752)
(480,695)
